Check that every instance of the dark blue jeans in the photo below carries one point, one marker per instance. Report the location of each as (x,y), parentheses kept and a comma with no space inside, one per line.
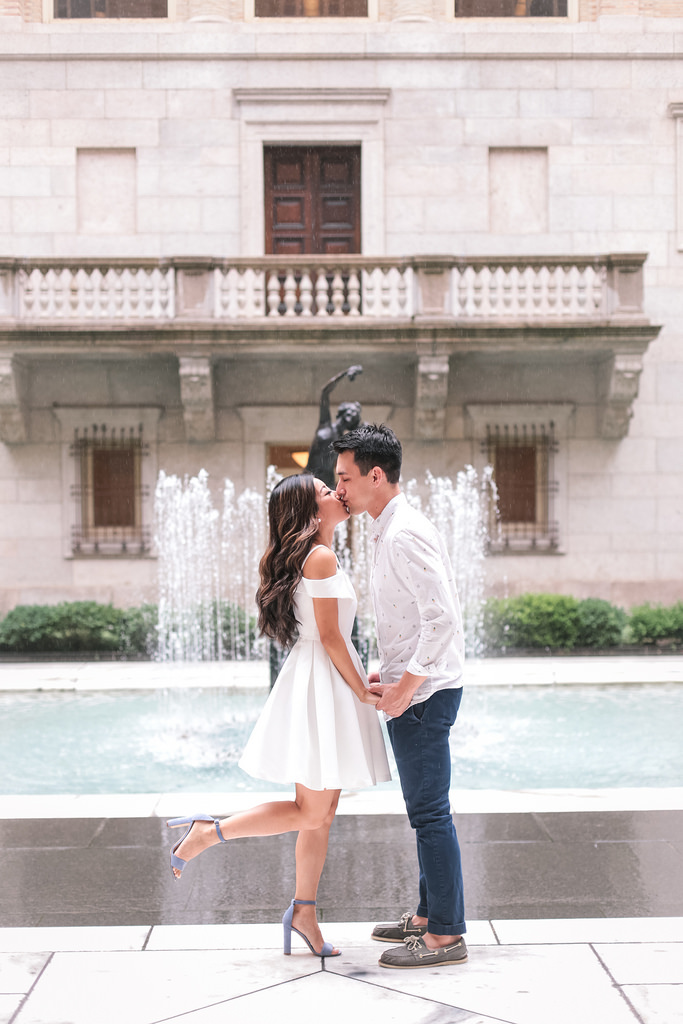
(419,738)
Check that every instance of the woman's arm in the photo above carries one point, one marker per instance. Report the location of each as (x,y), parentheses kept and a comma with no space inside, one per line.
(319,566)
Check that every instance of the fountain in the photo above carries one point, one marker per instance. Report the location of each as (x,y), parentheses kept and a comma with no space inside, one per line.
(208,561)
(462,513)
(208,570)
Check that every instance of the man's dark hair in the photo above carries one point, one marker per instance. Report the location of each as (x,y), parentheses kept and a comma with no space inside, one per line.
(373,445)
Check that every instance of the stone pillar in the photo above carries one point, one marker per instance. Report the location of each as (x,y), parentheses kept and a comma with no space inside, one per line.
(431,393)
(622,390)
(12,413)
(433,287)
(220,10)
(196,394)
(625,276)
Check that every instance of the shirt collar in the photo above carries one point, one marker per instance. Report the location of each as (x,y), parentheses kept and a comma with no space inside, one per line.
(380,524)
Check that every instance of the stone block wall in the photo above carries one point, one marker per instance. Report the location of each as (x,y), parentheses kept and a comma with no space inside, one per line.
(389,10)
(588,142)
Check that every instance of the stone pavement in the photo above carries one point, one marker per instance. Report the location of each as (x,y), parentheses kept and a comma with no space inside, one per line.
(575,905)
(538,972)
(574,916)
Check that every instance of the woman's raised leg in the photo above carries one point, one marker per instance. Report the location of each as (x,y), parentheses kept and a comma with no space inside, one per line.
(308,811)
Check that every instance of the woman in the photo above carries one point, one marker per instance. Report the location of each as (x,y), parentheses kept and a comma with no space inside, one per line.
(318,729)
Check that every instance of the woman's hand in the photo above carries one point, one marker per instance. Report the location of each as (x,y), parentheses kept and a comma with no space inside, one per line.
(368,697)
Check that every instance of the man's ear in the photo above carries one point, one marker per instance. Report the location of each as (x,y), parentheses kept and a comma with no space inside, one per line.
(376,474)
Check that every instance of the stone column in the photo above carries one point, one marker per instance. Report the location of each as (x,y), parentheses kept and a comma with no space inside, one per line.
(221,10)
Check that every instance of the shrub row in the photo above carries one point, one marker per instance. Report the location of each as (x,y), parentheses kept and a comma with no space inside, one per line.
(529,621)
(557,621)
(79,626)
(88,626)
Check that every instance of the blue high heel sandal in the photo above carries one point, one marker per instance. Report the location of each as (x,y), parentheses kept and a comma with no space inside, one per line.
(288,928)
(176,862)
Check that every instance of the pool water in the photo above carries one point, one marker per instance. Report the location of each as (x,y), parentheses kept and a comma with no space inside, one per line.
(508,738)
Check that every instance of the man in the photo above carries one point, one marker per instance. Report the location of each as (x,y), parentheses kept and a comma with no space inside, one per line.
(421,649)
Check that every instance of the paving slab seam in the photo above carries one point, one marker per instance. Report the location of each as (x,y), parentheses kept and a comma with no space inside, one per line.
(425,999)
(616,985)
(27,995)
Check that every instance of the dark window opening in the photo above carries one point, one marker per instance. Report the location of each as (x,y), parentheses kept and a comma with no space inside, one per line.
(108,492)
(522,460)
(311,9)
(511,8)
(111,8)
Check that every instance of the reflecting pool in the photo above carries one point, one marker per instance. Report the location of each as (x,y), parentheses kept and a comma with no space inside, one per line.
(189,740)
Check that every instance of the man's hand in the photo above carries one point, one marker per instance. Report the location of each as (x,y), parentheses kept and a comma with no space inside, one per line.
(394,700)
(396,697)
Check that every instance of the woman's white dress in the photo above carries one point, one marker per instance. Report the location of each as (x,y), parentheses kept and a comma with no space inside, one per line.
(313,729)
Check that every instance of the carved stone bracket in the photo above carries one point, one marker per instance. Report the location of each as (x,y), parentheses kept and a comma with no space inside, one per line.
(196,395)
(622,390)
(12,418)
(430,398)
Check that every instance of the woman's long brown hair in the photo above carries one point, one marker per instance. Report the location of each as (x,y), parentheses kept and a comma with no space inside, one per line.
(293,523)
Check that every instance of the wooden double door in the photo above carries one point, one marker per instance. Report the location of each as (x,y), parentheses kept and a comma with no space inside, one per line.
(312,199)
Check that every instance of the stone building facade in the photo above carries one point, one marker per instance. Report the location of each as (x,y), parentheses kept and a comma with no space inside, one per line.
(206,214)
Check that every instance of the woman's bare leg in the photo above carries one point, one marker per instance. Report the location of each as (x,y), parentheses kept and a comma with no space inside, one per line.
(311,851)
(309,809)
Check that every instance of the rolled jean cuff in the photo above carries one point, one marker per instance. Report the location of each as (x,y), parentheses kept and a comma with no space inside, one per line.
(445,929)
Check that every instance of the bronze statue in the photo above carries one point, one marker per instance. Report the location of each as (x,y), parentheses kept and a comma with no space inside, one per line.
(321,458)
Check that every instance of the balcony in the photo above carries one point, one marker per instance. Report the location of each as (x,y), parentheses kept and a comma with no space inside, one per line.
(423,309)
(316,291)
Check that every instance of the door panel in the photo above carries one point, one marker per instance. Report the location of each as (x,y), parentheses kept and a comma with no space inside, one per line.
(312,199)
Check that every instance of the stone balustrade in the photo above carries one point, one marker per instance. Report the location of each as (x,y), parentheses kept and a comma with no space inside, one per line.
(310,290)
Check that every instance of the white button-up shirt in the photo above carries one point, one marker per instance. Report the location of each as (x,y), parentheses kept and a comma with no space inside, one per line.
(419,623)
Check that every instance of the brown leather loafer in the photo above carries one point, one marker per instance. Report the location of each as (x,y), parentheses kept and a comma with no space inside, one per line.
(414,953)
(398,932)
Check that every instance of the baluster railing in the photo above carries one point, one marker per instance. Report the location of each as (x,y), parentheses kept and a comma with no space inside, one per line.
(327,288)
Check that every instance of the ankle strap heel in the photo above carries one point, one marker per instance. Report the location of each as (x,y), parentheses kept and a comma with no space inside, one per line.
(288,928)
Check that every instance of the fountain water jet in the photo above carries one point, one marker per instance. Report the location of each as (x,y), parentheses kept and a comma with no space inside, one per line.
(208,570)
(462,513)
(208,562)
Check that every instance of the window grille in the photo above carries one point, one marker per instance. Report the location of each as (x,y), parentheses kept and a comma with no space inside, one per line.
(522,458)
(110,8)
(108,492)
(511,8)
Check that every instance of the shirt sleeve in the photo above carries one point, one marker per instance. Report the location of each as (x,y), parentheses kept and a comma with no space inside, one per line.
(419,563)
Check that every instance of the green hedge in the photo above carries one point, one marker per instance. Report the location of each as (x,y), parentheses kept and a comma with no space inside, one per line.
(78,626)
(559,622)
(650,624)
(530,621)
(88,626)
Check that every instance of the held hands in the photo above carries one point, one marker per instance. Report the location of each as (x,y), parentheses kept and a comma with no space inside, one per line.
(391,700)
(370,697)
(394,698)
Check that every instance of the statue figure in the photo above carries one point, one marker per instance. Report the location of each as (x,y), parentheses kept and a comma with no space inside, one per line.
(321,458)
